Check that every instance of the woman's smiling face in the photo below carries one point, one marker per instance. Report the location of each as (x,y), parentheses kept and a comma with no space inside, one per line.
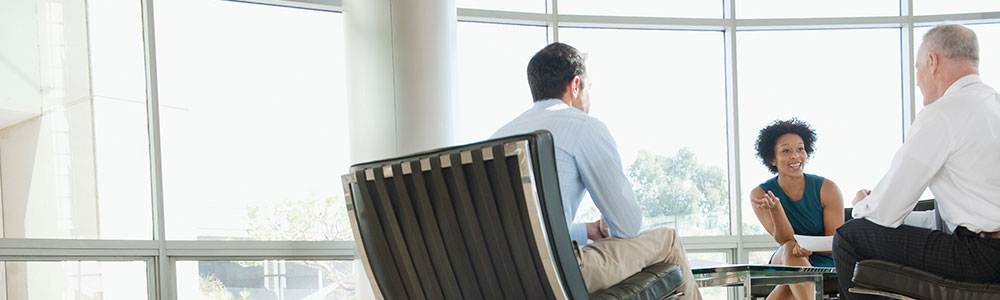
(790,154)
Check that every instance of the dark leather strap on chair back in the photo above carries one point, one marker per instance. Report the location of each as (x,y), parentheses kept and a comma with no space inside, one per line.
(482,221)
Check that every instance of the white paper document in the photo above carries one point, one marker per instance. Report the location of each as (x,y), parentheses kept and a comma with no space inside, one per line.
(815,243)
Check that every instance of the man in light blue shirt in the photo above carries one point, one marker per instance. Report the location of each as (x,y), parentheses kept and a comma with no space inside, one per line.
(587,161)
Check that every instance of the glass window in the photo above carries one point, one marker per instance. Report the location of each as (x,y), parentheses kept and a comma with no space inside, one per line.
(705,259)
(253,125)
(643,8)
(108,280)
(665,105)
(492,78)
(117,57)
(850,95)
(534,6)
(768,9)
(79,167)
(266,279)
(760,257)
(934,7)
(118,77)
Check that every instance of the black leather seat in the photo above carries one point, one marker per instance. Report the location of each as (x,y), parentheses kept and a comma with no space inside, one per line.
(480,221)
(652,283)
(878,275)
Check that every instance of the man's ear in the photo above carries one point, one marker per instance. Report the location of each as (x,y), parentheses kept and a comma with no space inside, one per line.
(933,62)
(575,86)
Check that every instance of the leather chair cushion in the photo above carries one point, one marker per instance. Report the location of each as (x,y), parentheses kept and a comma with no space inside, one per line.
(911,282)
(653,282)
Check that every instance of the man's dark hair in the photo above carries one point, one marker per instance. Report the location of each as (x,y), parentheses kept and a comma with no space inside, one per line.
(770,134)
(552,68)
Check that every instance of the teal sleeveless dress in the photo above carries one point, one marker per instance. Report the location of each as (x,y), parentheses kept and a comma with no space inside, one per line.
(805,215)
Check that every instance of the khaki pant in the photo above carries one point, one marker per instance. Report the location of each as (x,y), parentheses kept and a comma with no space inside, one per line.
(606,262)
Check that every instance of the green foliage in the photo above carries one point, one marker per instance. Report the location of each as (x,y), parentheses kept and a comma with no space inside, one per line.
(213,288)
(678,186)
(312,218)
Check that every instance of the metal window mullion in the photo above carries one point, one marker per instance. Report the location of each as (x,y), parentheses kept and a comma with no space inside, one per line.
(553,12)
(254,250)
(624,22)
(49,249)
(161,283)
(908,83)
(151,275)
(733,127)
(320,5)
(963,18)
(503,17)
(49,255)
(75,244)
(261,245)
(819,23)
(31,254)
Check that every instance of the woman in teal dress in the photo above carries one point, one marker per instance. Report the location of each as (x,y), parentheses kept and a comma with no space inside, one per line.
(794,202)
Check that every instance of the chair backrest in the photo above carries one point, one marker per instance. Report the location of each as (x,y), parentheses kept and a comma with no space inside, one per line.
(480,221)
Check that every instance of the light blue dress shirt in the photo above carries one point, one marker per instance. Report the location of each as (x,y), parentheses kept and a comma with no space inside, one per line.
(587,160)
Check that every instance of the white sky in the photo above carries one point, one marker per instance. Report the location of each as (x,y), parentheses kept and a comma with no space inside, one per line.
(263,119)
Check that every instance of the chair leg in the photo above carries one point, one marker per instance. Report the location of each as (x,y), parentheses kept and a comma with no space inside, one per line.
(865,291)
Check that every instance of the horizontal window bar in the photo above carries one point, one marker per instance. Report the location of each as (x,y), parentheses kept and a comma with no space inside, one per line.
(324,5)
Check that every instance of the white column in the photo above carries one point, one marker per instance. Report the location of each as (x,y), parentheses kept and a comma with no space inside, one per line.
(400,75)
(423,43)
(400,81)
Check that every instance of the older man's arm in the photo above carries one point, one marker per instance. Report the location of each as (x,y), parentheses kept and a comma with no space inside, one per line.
(912,168)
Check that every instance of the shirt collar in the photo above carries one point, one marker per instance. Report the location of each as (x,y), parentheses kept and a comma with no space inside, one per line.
(551,103)
(961,83)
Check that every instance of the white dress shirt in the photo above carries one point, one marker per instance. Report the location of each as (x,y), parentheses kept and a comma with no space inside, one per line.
(954,147)
(587,160)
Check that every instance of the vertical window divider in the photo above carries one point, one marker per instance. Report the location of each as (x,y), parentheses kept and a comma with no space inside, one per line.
(732,126)
(161,285)
(553,11)
(907,57)
(151,275)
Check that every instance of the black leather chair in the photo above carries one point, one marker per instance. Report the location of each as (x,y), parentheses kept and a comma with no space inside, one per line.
(886,279)
(480,221)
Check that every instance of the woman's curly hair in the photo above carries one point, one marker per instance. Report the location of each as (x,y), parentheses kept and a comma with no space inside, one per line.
(769,135)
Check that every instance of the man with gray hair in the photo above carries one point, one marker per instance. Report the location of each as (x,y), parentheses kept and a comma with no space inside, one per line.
(953,147)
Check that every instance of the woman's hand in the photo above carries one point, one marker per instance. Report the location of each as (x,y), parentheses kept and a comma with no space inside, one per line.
(768,202)
(797,250)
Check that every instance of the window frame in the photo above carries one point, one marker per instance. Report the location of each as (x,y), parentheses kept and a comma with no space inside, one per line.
(731,26)
(160,255)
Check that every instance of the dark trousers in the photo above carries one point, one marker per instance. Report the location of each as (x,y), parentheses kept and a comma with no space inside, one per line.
(961,256)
